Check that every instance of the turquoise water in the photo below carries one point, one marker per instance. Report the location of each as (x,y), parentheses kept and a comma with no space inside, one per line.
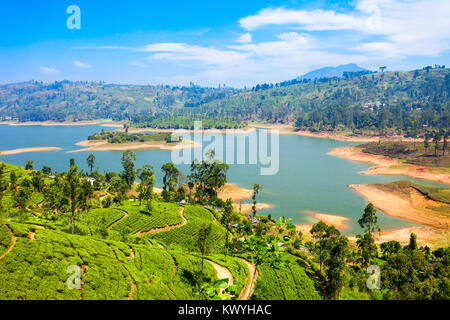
(308,178)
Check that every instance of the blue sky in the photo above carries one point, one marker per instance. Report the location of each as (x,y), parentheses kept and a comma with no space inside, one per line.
(210,42)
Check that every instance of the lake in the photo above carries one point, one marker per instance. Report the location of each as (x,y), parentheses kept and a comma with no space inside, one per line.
(308,178)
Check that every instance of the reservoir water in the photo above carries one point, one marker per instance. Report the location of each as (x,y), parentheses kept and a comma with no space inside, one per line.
(308,178)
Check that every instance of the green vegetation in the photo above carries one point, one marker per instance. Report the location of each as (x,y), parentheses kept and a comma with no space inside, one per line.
(185,236)
(387,102)
(139,219)
(410,152)
(291,282)
(127,243)
(434,193)
(122,137)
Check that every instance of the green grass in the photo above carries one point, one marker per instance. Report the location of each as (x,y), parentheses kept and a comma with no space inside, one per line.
(185,235)
(139,219)
(292,281)
(38,269)
(5,238)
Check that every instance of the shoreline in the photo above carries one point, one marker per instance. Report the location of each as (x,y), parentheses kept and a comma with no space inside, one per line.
(426,236)
(101,145)
(289,129)
(55,123)
(237,194)
(212,130)
(415,208)
(24,150)
(389,166)
(339,222)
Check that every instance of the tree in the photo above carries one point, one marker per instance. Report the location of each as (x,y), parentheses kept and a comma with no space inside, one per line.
(390,248)
(367,249)
(256,189)
(412,242)
(145,188)
(72,162)
(426,142)
(369,219)
(208,176)
(171,175)
(29,165)
(86,192)
(72,190)
(321,232)
(227,218)
(204,241)
(444,145)
(366,242)
(436,139)
(90,161)
(336,266)
(46,170)
(128,173)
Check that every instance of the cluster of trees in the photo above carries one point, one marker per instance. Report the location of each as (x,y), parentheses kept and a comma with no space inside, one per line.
(124,137)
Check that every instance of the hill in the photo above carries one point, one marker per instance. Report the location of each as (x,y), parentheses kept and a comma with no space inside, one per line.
(330,72)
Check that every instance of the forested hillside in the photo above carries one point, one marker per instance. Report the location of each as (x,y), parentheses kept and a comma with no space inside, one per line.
(65,100)
(382,100)
(376,101)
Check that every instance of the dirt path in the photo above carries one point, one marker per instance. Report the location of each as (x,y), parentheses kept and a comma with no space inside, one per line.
(250,282)
(222,273)
(13,243)
(123,217)
(31,235)
(183,222)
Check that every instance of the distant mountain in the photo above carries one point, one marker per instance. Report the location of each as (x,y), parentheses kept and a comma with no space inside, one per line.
(329,72)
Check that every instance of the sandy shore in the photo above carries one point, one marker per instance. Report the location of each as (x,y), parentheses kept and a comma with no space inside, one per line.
(144,130)
(389,166)
(94,145)
(415,207)
(338,222)
(55,123)
(426,236)
(247,207)
(235,193)
(23,150)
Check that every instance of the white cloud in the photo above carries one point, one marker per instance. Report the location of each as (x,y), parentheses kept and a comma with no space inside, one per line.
(48,70)
(80,64)
(249,63)
(245,38)
(409,27)
(371,32)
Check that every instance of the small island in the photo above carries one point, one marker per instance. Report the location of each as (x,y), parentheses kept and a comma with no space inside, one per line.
(117,140)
